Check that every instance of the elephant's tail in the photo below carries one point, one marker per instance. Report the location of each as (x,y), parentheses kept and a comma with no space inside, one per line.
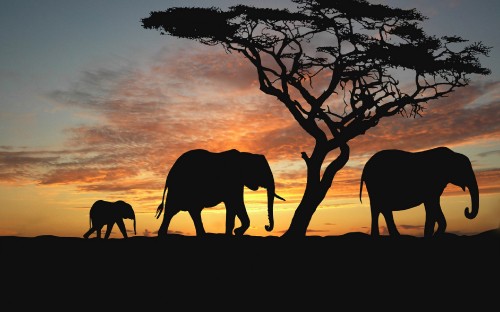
(361,188)
(160,207)
(159,210)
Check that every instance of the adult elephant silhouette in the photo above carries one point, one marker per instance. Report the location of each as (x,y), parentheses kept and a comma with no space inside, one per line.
(200,179)
(398,180)
(108,213)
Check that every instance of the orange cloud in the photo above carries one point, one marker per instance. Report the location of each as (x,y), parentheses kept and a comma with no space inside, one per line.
(144,118)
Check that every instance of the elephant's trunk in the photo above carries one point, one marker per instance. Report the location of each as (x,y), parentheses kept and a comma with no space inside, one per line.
(133,218)
(474,196)
(270,203)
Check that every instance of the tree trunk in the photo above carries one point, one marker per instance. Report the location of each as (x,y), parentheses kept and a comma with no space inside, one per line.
(304,212)
(316,188)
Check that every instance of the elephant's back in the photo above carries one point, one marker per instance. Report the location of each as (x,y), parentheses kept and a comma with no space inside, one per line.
(100,204)
(393,167)
(401,170)
(387,158)
(390,154)
(398,161)
(199,170)
(102,210)
(188,163)
(191,157)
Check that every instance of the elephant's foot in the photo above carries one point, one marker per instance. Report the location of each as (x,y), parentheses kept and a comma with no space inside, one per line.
(438,233)
(162,234)
(239,231)
(201,232)
(394,233)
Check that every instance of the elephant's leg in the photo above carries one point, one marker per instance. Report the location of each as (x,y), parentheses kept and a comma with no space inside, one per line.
(121,226)
(89,232)
(441,221)
(391,226)
(230,218)
(167,216)
(433,214)
(375,216)
(242,214)
(198,224)
(109,227)
(236,207)
(98,231)
(430,220)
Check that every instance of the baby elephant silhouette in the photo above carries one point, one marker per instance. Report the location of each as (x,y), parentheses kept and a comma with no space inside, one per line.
(398,180)
(108,213)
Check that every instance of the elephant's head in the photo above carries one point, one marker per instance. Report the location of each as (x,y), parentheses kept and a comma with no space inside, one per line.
(463,176)
(256,173)
(126,211)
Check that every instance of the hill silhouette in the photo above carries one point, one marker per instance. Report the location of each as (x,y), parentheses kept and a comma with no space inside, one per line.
(353,246)
(313,269)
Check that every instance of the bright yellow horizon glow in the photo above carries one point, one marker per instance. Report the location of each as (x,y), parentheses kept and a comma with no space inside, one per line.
(46,212)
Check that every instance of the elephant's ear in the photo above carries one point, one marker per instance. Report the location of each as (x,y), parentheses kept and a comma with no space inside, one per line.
(252,186)
(257,172)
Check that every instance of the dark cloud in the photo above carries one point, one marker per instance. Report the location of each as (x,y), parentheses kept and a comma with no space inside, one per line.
(23,166)
(489,153)
(155,233)
(314,231)
(488,181)
(17,159)
(411,227)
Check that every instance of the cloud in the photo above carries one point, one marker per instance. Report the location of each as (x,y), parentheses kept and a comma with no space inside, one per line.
(202,70)
(488,181)
(87,175)
(411,227)
(144,117)
(449,121)
(489,153)
(20,166)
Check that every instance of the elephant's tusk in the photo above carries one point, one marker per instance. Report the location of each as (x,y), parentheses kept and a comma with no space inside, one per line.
(277,196)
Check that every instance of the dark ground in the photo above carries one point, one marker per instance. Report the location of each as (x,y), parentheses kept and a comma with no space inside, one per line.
(311,273)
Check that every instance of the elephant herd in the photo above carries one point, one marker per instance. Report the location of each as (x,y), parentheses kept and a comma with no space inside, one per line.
(395,180)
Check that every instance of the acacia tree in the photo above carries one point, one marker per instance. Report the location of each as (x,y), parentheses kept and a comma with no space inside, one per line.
(335,65)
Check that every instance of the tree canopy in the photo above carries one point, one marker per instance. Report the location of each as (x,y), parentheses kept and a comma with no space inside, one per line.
(338,66)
